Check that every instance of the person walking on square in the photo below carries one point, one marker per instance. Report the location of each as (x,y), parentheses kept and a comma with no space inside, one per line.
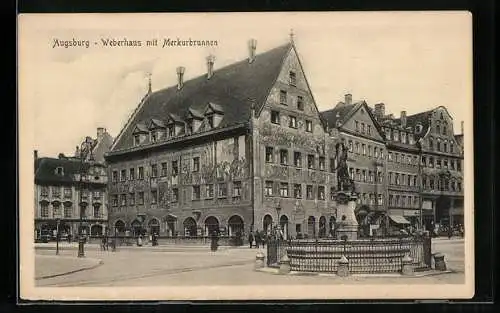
(213,243)
(139,241)
(258,240)
(250,239)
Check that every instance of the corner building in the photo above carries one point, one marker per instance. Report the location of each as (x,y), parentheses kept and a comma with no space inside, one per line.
(240,148)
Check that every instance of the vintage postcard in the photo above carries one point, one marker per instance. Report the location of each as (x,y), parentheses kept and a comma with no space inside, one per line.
(223,156)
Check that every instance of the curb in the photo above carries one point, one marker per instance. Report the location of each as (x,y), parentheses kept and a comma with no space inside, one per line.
(99,263)
(273,271)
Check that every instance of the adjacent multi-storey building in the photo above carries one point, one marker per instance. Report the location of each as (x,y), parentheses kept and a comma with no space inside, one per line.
(72,190)
(240,148)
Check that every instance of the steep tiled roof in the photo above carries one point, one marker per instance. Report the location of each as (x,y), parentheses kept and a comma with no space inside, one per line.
(45,171)
(233,88)
(338,114)
(413,120)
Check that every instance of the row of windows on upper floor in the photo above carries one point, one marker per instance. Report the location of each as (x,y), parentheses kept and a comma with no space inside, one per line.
(443,146)
(195,167)
(399,135)
(196,194)
(365,176)
(430,183)
(67,212)
(401,179)
(433,162)
(67,192)
(366,150)
(402,201)
(297,159)
(292,121)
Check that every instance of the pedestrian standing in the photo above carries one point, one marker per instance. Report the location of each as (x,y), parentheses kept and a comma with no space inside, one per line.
(139,241)
(258,240)
(250,239)
(213,243)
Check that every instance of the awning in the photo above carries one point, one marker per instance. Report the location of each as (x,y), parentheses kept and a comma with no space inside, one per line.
(399,219)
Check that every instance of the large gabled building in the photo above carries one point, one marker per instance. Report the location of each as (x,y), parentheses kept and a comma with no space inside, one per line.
(242,147)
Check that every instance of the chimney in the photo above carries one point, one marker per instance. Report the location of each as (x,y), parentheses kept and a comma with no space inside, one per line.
(252,46)
(403,119)
(77,152)
(35,154)
(379,110)
(210,66)
(462,127)
(100,132)
(348,99)
(180,76)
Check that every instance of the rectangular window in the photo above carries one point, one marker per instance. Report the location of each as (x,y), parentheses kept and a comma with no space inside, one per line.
(196,193)
(309,192)
(298,228)
(115,176)
(391,181)
(351,173)
(369,151)
(269,188)
(153,136)
(68,211)
(356,147)
(370,176)
(380,199)
(141,198)
(56,192)
(137,140)
(123,175)
(275,117)
(189,127)
(209,191)
(67,193)
(332,165)
(297,159)
(131,173)
(362,128)
(171,131)
(44,210)
(154,170)
(364,175)
(175,168)
(309,126)
(297,191)
(445,163)
(44,191)
(154,196)
(300,103)
(283,97)
(358,174)
(438,163)
(369,130)
(269,155)
(96,194)
(321,163)
(237,189)
(375,152)
(363,146)
(284,189)
(321,192)
(381,153)
(379,177)
(164,169)
(293,79)
(283,157)
(222,190)
(97,212)
(332,193)
(57,210)
(141,172)
(356,125)
(131,197)
(175,194)
(310,161)
(390,156)
(292,122)
(196,164)
(123,200)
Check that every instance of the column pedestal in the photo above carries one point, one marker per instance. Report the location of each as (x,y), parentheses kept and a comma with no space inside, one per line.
(348,225)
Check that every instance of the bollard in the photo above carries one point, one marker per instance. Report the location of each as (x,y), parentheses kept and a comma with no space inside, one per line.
(439,263)
(284,265)
(343,267)
(259,260)
(407,265)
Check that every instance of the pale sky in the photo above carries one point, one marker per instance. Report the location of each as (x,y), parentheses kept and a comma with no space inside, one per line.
(411,61)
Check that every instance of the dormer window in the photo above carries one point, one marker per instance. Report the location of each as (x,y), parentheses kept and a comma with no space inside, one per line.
(283,97)
(137,140)
(171,130)
(154,136)
(210,121)
(300,103)
(59,171)
(293,78)
(189,127)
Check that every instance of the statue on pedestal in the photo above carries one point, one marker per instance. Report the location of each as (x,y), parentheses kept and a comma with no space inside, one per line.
(344,181)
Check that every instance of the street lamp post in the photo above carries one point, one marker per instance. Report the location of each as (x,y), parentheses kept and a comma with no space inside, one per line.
(57,236)
(278,210)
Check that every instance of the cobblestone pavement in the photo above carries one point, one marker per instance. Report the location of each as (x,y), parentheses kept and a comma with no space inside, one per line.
(234,266)
(52,265)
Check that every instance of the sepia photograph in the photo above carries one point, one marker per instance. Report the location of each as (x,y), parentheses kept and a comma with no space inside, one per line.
(233,156)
